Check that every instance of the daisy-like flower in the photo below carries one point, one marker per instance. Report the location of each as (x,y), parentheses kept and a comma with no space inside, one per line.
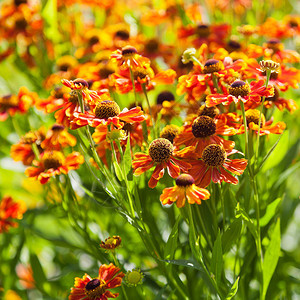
(185,190)
(53,163)
(128,57)
(82,86)
(161,155)
(205,131)
(86,288)
(252,118)
(105,113)
(134,277)
(11,104)
(215,166)
(241,91)
(111,243)
(58,137)
(10,211)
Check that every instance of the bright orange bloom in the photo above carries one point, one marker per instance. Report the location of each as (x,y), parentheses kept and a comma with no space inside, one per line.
(111,243)
(57,138)
(161,155)
(53,163)
(105,113)
(128,57)
(185,189)
(22,151)
(10,211)
(204,131)
(25,275)
(11,104)
(86,288)
(215,166)
(240,90)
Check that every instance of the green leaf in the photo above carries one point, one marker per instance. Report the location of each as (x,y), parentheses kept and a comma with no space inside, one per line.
(271,257)
(118,170)
(267,155)
(184,18)
(270,212)
(38,273)
(249,222)
(145,131)
(172,242)
(233,290)
(232,233)
(127,160)
(217,259)
(49,14)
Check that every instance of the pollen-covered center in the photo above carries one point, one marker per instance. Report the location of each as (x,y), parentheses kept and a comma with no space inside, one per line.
(203,126)
(208,111)
(252,115)
(52,160)
(212,65)
(95,288)
(164,96)
(239,88)
(170,132)
(214,155)
(140,73)
(184,180)
(160,150)
(122,35)
(128,51)
(134,277)
(107,109)
(8,101)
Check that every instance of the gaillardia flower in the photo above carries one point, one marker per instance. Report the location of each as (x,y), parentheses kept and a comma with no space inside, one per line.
(53,163)
(10,211)
(215,166)
(86,288)
(111,243)
(185,189)
(161,155)
(241,90)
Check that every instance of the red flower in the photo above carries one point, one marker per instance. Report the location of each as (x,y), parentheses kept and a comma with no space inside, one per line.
(161,156)
(54,163)
(9,212)
(215,166)
(86,288)
(240,90)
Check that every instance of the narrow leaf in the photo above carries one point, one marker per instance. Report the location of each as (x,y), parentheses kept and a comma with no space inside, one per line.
(232,233)
(217,259)
(270,212)
(38,273)
(172,242)
(271,257)
(233,290)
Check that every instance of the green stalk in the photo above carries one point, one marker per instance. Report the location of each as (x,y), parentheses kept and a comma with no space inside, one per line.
(149,107)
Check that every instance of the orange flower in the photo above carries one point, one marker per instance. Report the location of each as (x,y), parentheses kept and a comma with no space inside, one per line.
(10,211)
(58,137)
(161,156)
(105,113)
(53,163)
(204,131)
(128,57)
(215,166)
(11,104)
(185,189)
(25,275)
(22,151)
(111,243)
(240,90)
(86,288)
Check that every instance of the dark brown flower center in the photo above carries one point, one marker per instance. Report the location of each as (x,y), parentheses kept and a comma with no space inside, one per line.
(214,155)
(203,126)
(93,40)
(274,44)
(95,288)
(81,81)
(160,150)
(105,71)
(252,115)
(208,111)
(152,46)
(276,94)
(58,93)
(52,160)
(8,101)
(212,65)
(57,127)
(203,30)
(128,50)
(107,109)
(21,24)
(239,88)
(122,35)
(169,132)
(164,96)
(19,2)
(274,75)
(184,180)
(73,97)
(233,46)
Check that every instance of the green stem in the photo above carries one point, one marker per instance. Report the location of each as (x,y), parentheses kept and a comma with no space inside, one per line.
(223,206)
(35,151)
(216,83)
(149,107)
(260,116)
